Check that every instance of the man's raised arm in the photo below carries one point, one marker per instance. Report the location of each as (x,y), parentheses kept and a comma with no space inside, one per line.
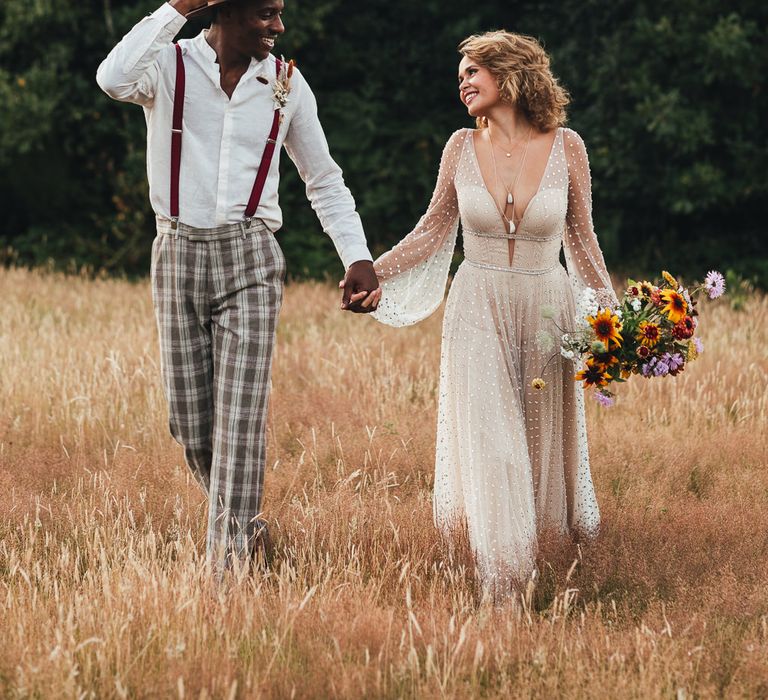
(129,72)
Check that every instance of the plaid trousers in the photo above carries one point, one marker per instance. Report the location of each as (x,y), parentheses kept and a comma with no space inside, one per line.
(217,295)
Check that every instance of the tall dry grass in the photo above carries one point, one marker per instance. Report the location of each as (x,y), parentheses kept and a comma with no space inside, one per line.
(103,588)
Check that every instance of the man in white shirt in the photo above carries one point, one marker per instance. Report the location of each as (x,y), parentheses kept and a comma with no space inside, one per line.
(217,107)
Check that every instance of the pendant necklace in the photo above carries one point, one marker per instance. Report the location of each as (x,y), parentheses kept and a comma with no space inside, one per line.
(510,196)
(508,153)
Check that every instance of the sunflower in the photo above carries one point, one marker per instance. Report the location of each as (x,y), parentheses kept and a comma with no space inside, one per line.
(605,360)
(593,374)
(646,289)
(675,306)
(671,281)
(606,326)
(649,334)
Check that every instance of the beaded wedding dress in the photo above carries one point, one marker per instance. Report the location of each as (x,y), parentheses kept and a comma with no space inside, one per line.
(511,460)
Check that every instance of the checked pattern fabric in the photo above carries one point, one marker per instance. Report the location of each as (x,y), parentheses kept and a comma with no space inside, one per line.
(217,295)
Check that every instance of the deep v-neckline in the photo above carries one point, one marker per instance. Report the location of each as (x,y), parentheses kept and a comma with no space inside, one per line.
(538,188)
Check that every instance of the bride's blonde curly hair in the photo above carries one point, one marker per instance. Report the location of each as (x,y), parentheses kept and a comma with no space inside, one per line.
(521,68)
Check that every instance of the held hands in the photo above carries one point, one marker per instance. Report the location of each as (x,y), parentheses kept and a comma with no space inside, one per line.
(361,288)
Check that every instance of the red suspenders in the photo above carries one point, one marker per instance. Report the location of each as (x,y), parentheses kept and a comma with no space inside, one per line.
(176,133)
(178,120)
(266,160)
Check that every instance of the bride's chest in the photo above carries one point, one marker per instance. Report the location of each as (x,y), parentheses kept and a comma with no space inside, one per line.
(544,213)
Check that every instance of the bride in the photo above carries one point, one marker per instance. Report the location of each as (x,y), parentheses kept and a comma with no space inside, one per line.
(511,456)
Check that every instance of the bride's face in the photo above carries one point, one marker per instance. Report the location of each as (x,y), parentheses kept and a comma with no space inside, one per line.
(477,87)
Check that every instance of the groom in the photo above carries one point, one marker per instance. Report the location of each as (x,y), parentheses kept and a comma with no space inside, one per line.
(218,108)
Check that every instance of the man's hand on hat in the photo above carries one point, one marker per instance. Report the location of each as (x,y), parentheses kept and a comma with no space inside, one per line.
(184,7)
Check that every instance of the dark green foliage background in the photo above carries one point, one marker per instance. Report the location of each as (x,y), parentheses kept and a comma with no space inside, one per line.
(669,96)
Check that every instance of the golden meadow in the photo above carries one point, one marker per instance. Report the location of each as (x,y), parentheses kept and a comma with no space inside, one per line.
(102,581)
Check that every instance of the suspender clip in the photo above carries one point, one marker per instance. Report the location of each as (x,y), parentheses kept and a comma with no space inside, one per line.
(174,222)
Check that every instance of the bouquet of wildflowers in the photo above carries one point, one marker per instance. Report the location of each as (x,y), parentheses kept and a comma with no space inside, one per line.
(651,333)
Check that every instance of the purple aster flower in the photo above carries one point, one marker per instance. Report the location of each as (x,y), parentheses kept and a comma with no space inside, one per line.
(672,361)
(603,400)
(714,283)
(661,369)
(647,369)
(699,345)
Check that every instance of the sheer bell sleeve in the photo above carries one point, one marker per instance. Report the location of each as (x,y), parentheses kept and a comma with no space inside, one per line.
(586,266)
(414,273)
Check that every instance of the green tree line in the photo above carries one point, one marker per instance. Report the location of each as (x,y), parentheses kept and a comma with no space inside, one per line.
(669,96)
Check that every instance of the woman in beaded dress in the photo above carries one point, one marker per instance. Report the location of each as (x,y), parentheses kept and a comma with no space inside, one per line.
(511,459)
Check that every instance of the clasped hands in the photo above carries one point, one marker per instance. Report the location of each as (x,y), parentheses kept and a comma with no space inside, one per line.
(362,292)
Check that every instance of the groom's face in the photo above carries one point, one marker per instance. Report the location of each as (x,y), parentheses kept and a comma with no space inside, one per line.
(254,25)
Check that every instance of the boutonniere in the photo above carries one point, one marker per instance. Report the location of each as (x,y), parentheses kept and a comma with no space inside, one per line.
(283,83)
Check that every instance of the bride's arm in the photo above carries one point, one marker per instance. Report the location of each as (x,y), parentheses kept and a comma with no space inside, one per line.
(431,230)
(582,251)
(414,273)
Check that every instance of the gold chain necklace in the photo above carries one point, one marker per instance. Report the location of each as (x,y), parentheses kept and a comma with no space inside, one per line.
(512,144)
(510,192)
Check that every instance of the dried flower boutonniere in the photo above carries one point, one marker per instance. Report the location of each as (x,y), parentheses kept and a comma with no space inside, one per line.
(283,83)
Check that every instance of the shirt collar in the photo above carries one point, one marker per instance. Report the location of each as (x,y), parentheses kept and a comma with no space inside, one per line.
(208,56)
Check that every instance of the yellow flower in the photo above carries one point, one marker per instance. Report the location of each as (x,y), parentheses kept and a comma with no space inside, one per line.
(649,334)
(692,353)
(605,360)
(593,374)
(606,326)
(538,383)
(646,289)
(21,82)
(671,281)
(676,307)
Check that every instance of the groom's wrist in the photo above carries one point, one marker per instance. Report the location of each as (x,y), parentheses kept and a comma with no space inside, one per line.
(355,254)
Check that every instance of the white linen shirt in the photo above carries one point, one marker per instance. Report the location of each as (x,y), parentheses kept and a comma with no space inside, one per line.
(223,139)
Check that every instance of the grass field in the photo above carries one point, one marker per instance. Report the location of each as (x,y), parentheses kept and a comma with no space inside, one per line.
(103,587)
